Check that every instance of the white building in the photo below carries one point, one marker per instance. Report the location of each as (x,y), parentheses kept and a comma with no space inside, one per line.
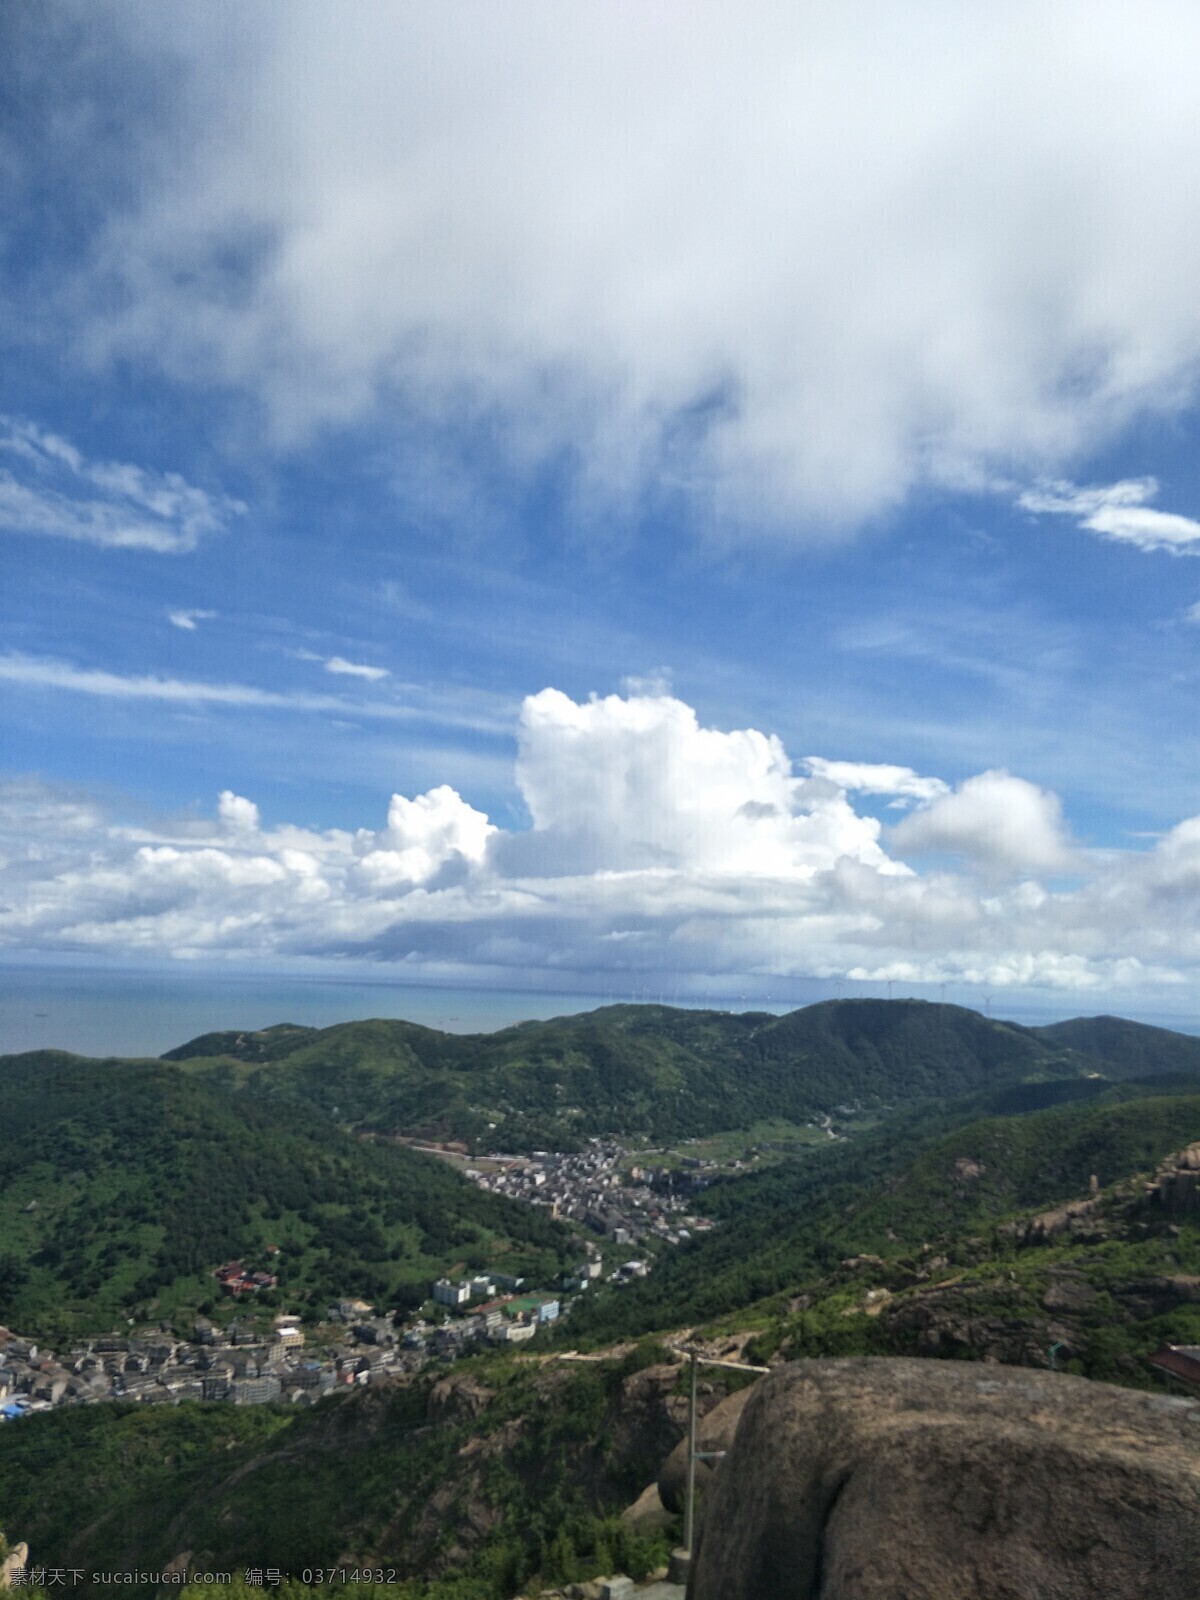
(451,1294)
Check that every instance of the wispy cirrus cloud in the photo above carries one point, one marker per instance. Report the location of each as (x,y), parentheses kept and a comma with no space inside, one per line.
(189,620)
(48,488)
(342,668)
(1119,512)
(418,705)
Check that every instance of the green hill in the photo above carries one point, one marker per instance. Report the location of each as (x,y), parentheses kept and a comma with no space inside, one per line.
(504,1470)
(917,1240)
(128,1181)
(651,1071)
(940,1175)
(131,1180)
(1127,1049)
(124,1184)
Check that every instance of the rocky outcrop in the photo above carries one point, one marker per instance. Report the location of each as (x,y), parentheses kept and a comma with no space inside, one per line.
(962,1321)
(647,1514)
(12,1567)
(1079,1218)
(460,1397)
(647,1420)
(871,1479)
(1176,1185)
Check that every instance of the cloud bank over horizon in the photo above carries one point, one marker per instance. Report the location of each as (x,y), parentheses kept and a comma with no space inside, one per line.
(656,845)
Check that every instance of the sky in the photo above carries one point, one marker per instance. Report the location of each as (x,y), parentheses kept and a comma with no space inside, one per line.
(572,496)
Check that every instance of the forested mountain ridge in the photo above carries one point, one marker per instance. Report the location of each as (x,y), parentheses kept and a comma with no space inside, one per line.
(131,1180)
(662,1073)
(1127,1048)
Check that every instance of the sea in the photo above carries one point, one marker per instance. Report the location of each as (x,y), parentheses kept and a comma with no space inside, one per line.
(144,1011)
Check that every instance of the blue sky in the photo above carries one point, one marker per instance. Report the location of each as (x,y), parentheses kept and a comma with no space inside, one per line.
(603,490)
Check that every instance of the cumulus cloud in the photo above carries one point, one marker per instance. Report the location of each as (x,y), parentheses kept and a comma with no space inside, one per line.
(793,263)
(625,784)
(48,487)
(1118,512)
(238,814)
(655,844)
(421,838)
(995,818)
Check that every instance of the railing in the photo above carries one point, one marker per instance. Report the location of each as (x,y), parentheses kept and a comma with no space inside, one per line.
(696,1359)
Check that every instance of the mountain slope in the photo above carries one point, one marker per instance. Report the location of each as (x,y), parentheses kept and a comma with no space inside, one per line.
(889,1192)
(127,1183)
(1126,1049)
(503,1469)
(649,1071)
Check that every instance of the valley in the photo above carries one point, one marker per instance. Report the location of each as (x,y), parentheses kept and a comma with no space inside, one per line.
(860,1179)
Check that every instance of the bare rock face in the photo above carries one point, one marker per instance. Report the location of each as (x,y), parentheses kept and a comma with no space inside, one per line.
(648,1419)
(458,1398)
(870,1479)
(647,1514)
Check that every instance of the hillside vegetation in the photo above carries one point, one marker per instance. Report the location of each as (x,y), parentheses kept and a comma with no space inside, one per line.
(896,1200)
(464,1487)
(130,1182)
(646,1071)
(993,1206)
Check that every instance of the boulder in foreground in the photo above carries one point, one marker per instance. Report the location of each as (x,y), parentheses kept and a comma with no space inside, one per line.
(872,1479)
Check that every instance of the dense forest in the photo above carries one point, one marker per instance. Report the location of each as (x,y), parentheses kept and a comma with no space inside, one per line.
(133,1180)
(952,1188)
(463,1492)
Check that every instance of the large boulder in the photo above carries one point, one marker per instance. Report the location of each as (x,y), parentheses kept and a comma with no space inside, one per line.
(870,1479)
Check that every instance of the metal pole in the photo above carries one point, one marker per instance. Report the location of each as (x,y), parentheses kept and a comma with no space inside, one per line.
(689,1510)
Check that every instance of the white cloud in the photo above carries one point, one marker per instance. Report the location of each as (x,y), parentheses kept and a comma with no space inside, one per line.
(876,778)
(43,672)
(627,784)
(794,262)
(1118,512)
(657,845)
(236,813)
(353,669)
(52,489)
(422,835)
(187,620)
(1002,821)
